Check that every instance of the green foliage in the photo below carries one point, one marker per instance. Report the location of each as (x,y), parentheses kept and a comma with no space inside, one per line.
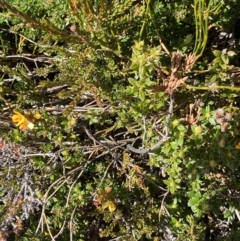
(139,131)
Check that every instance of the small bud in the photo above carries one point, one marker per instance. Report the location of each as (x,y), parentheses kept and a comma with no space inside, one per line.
(175,123)
(221,143)
(37,116)
(213,163)
(197,130)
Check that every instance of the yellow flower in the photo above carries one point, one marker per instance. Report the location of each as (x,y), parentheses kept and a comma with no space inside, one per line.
(237,146)
(21,121)
(37,116)
(18,118)
(110,205)
(32,117)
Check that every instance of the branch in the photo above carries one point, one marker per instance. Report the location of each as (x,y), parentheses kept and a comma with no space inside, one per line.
(163,139)
(39,25)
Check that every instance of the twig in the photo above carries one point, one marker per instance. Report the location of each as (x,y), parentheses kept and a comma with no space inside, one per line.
(163,139)
(76,109)
(55,190)
(61,230)
(237,214)
(48,228)
(44,200)
(29,40)
(41,154)
(42,59)
(116,239)
(144,128)
(80,174)
(162,205)
(71,223)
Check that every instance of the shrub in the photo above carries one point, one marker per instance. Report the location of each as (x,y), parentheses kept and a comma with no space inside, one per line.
(119,120)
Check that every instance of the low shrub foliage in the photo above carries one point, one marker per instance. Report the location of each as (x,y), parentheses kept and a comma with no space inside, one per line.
(119,120)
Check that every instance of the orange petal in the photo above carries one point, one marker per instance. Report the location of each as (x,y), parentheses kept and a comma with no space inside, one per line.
(23,124)
(23,127)
(23,121)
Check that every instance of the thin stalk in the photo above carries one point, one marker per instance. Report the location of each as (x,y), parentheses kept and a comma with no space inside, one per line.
(223,87)
(205,28)
(201,13)
(197,26)
(145,19)
(200,24)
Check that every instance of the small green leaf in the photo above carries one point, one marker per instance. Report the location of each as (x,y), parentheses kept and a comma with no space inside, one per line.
(227,213)
(225,59)
(180,141)
(217,60)
(212,121)
(142,95)
(132,81)
(217,53)
(231,53)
